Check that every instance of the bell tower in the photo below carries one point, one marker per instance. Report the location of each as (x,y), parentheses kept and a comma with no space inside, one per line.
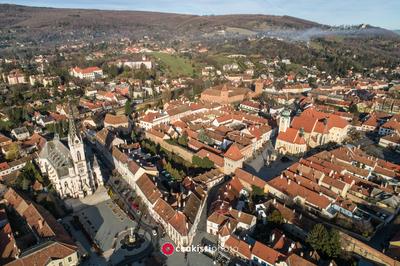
(74,139)
(77,151)
(284,120)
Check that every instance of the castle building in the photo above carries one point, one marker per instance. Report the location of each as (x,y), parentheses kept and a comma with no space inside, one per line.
(309,130)
(227,94)
(90,73)
(69,169)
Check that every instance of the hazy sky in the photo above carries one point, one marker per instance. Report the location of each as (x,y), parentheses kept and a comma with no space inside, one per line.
(383,13)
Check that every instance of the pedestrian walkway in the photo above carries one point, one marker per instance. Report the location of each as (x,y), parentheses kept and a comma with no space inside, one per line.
(99,196)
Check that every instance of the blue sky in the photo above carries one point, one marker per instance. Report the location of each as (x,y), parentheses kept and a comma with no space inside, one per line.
(383,13)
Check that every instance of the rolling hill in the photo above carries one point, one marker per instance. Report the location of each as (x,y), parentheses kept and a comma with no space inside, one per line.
(39,25)
(23,28)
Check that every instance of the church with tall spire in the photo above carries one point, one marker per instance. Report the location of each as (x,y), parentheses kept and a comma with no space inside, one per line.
(71,170)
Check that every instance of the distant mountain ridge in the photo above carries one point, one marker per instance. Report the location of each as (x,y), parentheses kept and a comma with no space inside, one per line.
(42,25)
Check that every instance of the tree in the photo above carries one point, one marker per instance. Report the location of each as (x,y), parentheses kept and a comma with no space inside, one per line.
(166,95)
(202,162)
(353,109)
(175,174)
(183,140)
(112,70)
(257,191)
(28,175)
(29,171)
(317,237)
(203,137)
(13,152)
(275,217)
(333,247)
(322,240)
(128,107)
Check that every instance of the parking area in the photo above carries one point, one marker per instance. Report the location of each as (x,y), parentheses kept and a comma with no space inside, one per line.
(144,159)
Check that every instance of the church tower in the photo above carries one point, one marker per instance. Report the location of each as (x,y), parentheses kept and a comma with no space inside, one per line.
(284,121)
(77,151)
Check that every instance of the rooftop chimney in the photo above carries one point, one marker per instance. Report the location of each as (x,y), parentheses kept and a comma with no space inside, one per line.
(272,237)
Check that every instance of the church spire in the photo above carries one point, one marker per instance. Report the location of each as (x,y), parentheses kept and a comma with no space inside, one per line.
(72,127)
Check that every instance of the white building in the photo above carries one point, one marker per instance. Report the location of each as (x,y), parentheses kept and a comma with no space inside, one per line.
(71,174)
(90,73)
(20,133)
(137,64)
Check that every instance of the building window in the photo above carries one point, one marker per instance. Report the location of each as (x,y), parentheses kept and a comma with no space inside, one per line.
(69,259)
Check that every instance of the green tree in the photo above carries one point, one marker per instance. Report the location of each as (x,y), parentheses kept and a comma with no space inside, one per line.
(202,162)
(333,246)
(13,152)
(275,217)
(28,175)
(183,140)
(353,109)
(322,240)
(317,237)
(175,174)
(30,172)
(203,137)
(257,191)
(128,107)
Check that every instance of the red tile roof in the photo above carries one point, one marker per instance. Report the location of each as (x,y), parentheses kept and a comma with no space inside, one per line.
(179,223)
(115,119)
(239,247)
(295,260)
(266,253)
(148,188)
(53,251)
(291,135)
(248,178)
(234,153)
(312,120)
(293,189)
(215,158)
(86,70)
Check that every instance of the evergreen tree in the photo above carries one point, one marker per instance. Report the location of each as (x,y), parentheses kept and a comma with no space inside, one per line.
(322,240)
(317,237)
(128,107)
(333,247)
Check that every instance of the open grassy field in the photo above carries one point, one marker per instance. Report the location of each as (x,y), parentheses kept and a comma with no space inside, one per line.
(174,65)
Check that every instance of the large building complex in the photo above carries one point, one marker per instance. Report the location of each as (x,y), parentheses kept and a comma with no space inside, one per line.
(310,129)
(69,169)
